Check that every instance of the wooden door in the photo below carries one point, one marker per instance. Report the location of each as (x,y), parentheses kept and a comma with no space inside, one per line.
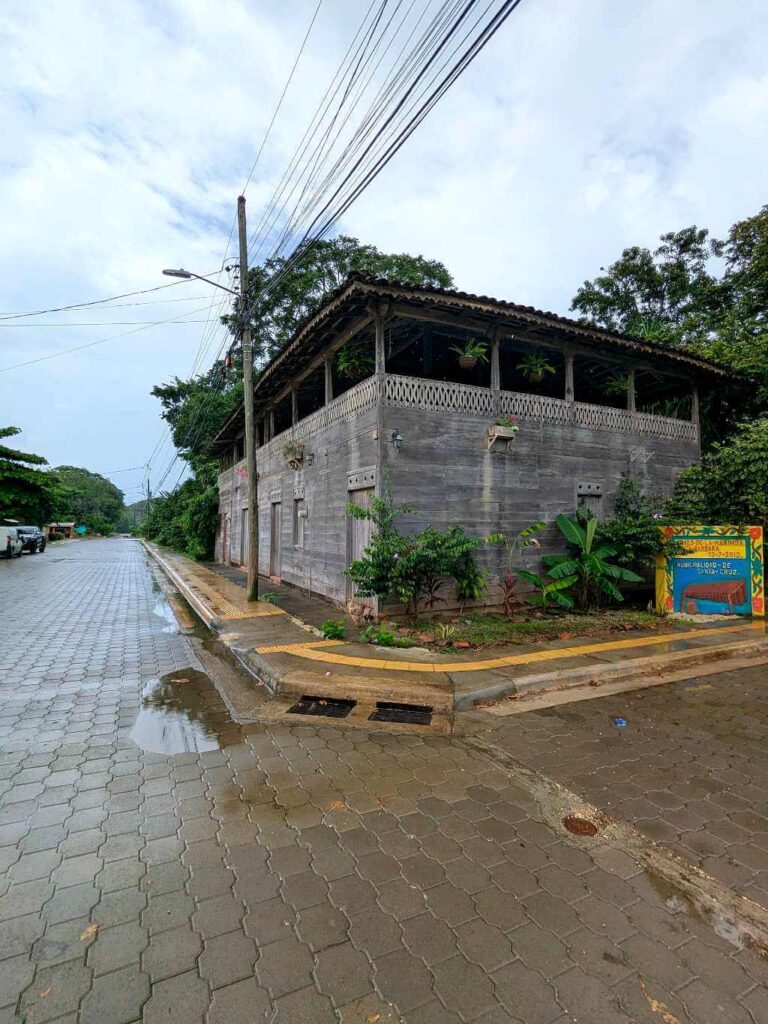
(358,531)
(224,540)
(244,536)
(274,539)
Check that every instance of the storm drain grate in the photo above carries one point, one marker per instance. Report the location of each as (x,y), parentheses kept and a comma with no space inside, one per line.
(329,707)
(410,714)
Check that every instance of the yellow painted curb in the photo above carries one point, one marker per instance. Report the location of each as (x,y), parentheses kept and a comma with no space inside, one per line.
(310,652)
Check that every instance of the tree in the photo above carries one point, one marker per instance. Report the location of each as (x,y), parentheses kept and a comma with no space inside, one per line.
(197,409)
(185,519)
(26,492)
(673,296)
(88,498)
(662,292)
(731,484)
(297,289)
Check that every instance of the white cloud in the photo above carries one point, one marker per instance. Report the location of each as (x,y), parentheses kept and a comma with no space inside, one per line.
(129,129)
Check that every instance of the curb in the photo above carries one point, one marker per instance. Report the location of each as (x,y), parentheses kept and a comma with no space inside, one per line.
(201,609)
(634,668)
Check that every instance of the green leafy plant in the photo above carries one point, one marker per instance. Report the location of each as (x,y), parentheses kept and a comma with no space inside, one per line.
(549,591)
(587,569)
(633,528)
(510,422)
(615,386)
(471,352)
(445,631)
(354,361)
(526,538)
(408,569)
(534,367)
(471,581)
(380,636)
(293,451)
(271,597)
(334,629)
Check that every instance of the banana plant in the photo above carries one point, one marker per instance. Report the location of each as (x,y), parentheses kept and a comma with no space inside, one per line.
(588,569)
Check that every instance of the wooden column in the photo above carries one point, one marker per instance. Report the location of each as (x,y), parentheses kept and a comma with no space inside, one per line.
(695,412)
(328,367)
(294,407)
(570,393)
(380,351)
(631,398)
(495,374)
(271,422)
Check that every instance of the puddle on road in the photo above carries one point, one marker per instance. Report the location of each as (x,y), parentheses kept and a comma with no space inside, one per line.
(182,712)
(164,611)
(722,921)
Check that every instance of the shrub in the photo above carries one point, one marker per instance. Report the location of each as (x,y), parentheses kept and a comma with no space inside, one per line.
(408,569)
(633,529)
(271,597)
(731,484)
(334,629)
(587,569)
(383,637)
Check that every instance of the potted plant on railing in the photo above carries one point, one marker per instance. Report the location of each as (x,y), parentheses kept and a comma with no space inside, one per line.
(293,453)
(505,428)
(354,362)
(471,353)
(534,367)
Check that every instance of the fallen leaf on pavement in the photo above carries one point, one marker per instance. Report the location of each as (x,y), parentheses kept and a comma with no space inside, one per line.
(658,1007)
(338,805)
(45,992)
(89,931)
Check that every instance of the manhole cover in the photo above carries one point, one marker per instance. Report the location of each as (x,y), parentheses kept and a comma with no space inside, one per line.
(409,714)
(580,826)
(330,707)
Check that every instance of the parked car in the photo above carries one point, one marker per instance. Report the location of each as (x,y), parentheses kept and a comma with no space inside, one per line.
(32,538)
(11,544)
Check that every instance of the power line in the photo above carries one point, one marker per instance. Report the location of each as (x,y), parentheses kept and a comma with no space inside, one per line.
(94,302)
(101,323)
(99,341)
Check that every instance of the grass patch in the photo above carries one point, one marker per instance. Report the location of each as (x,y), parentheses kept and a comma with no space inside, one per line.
(483,630)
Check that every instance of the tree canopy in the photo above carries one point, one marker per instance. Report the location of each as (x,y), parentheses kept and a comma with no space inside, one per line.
(706,295)
(27,493)
(88,498)
(281,295)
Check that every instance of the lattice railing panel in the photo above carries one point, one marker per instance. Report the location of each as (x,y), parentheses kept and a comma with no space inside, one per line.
(437,396)
(358,399)
(538,408)
(466,400)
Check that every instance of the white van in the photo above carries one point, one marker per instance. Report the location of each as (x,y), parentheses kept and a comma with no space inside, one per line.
(11,544)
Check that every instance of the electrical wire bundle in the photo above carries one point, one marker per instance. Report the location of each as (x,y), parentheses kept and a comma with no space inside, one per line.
(400,63)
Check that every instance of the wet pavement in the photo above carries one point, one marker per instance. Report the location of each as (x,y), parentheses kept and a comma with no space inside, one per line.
(689,768)
(161,862)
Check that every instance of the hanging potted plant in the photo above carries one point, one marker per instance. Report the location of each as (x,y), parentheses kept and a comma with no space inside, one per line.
(354,361)
(534,367)
(293,453)
(471,353)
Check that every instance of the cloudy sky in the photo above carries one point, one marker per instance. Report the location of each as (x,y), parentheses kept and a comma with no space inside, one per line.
(129,129)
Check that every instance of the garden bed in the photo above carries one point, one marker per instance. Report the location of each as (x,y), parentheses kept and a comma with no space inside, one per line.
(477,630)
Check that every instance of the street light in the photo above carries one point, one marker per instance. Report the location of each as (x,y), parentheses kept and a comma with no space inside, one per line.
(252,590)
(187,275)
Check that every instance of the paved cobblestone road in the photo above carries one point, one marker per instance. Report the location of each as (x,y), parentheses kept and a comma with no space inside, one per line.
(291,874)
(689,770)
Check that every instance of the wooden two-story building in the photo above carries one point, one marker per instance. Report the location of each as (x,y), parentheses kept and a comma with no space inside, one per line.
(371,388)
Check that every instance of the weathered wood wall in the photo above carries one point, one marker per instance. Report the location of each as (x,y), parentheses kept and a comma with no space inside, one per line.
(444,471)
(339,450)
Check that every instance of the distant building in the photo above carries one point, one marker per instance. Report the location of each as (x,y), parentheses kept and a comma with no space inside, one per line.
(67,529)
(371,389)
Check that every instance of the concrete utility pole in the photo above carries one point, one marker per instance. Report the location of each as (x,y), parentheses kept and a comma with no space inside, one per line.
(250,435)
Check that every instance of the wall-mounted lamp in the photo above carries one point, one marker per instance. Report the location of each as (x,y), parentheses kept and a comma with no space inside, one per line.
(309,458)
(397,440)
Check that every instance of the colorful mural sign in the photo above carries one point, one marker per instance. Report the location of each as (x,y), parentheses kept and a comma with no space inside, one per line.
(716,570)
